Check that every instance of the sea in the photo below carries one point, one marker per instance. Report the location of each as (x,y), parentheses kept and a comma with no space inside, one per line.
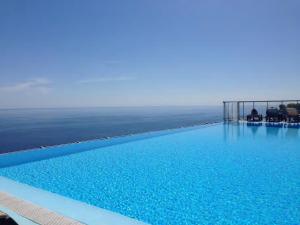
(22,129)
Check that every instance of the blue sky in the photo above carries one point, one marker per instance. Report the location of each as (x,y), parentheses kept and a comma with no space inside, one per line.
(147,52)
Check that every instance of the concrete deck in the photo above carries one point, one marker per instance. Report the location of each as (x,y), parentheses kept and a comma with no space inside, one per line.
(34,212)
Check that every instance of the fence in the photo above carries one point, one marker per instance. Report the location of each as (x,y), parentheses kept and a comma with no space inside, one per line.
(238,110)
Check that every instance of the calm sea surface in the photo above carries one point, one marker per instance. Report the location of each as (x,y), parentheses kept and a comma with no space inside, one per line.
(28,128)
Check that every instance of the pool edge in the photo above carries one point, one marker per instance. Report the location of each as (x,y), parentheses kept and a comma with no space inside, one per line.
(37,154)
(68,207)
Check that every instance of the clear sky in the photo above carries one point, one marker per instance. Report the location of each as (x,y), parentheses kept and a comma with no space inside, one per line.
(59,53)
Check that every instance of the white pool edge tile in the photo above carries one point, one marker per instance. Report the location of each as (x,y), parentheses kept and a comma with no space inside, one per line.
(33,212)
(76,210)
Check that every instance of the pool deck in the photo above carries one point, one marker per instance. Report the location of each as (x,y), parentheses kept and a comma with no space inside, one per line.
(34,212)
(21,201)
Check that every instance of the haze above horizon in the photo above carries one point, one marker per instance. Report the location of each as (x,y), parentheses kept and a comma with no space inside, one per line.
(65,53)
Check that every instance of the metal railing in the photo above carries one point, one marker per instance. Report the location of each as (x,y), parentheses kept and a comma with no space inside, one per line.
(238,110)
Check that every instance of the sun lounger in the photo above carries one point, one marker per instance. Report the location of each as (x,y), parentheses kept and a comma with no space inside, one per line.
(272,115)
(254,116)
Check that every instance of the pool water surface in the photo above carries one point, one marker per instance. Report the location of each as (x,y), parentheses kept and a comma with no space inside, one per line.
(219,174)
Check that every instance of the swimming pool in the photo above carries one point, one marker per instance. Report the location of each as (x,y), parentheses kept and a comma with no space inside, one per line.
(217,174)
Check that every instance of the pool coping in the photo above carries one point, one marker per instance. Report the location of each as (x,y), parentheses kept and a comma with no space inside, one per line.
(76,210)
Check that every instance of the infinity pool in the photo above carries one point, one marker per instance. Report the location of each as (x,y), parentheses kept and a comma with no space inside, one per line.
(218,174)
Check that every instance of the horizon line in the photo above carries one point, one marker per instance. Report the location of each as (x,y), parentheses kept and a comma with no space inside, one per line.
(115,106)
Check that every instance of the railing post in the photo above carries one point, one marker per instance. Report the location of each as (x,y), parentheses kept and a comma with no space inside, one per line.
(243,110)
(238,111)
(224,111)
(231,111)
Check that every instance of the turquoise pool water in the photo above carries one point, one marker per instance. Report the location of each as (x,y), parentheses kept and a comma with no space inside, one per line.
(220,174)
